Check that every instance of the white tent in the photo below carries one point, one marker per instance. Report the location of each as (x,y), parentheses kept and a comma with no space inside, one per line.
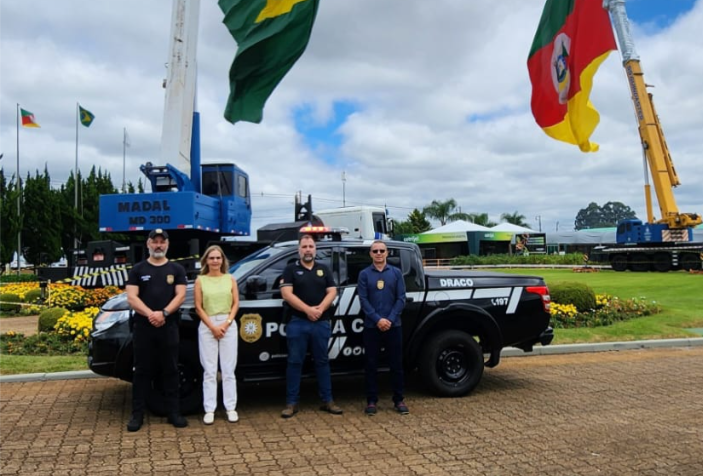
(23,262)
(505,226)
(455,226)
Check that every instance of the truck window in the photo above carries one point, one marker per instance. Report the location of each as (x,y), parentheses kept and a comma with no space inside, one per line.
(217,182)
(353,260)
(242,186)
(379,222)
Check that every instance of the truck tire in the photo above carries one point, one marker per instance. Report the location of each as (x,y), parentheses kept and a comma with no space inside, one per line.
(191,383)
(690,261)
(451,363)
(640,262)
(619,262)
(662,262)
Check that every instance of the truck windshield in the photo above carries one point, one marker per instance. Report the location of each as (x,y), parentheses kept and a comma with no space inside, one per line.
(243,266)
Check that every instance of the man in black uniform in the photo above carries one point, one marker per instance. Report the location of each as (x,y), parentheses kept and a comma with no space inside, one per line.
(309,289)
(156,289)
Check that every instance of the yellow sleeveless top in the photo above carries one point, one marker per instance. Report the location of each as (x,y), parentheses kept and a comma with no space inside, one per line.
(217,294)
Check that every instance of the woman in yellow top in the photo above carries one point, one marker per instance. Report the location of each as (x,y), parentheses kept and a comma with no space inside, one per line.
(217,303)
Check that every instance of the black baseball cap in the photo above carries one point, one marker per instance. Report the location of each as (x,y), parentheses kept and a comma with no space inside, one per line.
(154,233)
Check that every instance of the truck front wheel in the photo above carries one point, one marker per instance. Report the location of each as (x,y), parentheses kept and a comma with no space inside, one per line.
(451,363)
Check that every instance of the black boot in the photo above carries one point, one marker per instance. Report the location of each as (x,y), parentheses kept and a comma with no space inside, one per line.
(135,422)
(177,420)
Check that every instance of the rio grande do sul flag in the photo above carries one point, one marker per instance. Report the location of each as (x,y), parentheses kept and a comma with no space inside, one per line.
(572,40)
(28,119)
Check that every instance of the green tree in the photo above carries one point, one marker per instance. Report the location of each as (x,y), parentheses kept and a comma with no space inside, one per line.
(41,231)
(514,218)
(444,211)
(481,219)
(595,216)
(416,223)
(11,221)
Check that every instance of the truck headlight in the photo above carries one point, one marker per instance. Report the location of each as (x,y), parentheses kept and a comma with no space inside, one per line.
(107,319)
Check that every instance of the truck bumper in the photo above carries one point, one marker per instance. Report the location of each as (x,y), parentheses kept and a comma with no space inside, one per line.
(546,337)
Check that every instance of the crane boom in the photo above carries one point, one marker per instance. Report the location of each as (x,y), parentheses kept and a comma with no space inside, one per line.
(656,151)
(180,85)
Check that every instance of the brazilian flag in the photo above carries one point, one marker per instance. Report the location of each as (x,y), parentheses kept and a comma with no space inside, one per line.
(271,36)
(86,117)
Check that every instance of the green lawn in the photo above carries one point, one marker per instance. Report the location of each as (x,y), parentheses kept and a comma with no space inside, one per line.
(29,364)
(679,294)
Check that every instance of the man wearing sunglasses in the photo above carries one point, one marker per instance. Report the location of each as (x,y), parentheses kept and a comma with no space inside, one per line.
(382,294)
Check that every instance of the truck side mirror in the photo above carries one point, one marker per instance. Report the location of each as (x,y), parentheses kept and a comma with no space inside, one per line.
(255,284)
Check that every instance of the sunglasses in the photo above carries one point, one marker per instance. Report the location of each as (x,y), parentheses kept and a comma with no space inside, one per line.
(378,251)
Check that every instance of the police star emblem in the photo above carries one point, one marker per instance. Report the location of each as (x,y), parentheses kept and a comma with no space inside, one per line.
(380,284)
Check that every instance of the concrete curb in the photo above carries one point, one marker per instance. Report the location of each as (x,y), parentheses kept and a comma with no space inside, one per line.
(507,352)
(40,377)
(602,347)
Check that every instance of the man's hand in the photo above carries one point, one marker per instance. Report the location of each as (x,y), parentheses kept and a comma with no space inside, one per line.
(156,318)
(383,324)
(314,313)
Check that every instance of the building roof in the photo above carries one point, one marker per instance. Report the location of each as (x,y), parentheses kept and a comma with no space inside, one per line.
(510,227)
(459,225)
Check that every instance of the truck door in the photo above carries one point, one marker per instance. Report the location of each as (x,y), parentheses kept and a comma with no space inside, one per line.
(262,346)
(346,347)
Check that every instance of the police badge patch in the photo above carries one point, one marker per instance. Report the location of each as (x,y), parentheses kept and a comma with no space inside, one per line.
(170,279)
(380,284)
(320,273)
(250,328)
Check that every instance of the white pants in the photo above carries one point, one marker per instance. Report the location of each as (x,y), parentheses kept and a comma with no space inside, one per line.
(226,349)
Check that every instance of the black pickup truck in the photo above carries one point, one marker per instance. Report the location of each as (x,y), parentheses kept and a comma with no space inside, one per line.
(454,324)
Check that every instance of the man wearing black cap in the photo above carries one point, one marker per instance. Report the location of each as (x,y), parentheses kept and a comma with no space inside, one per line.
(156,288)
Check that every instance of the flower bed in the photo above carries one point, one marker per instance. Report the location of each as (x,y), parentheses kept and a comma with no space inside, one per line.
(608,310)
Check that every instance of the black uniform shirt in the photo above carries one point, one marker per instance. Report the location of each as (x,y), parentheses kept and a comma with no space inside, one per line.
(309,285)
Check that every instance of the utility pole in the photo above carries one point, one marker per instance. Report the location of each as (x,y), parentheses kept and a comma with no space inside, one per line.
(538,218)
(344,188)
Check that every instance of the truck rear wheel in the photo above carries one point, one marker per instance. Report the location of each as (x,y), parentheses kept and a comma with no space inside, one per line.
(690,261)
(451,363)
(639,262)
(662,262)
(619,263)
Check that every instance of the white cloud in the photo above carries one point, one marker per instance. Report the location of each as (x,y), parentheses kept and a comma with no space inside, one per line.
(441,88)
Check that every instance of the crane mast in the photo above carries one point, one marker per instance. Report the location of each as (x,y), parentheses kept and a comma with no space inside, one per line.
(656,152)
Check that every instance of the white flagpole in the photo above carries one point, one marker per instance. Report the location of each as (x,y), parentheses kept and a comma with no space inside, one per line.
(124,156)
(19,195)
(75,185)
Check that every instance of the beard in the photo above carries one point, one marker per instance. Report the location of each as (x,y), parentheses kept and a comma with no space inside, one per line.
(308,258)
(159,254)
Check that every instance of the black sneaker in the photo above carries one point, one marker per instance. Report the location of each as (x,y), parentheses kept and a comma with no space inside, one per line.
(370,409)
(402,408)
(135,422)
(177,420)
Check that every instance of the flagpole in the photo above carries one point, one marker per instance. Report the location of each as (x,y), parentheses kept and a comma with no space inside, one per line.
(124,156)
(75,187)
(19,195)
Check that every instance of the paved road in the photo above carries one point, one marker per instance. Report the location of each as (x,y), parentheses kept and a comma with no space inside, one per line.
(637,412)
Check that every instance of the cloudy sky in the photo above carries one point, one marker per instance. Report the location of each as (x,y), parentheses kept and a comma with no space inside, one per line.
(414,101)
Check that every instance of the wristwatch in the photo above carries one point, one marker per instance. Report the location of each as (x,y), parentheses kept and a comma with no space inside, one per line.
(229,321)
(166,313)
